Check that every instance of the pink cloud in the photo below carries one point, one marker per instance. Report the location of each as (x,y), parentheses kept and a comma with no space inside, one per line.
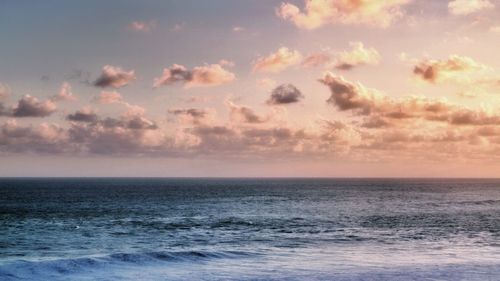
(200,76)
(108,97)
(142,26)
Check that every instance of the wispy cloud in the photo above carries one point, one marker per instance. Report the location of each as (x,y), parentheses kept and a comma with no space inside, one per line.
(282,59)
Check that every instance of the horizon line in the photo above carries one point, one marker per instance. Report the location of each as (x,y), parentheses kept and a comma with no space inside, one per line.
(234,177)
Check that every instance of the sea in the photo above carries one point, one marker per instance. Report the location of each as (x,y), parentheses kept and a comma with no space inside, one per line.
(249,229)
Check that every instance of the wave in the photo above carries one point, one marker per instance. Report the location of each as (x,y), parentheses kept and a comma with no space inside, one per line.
(58,268)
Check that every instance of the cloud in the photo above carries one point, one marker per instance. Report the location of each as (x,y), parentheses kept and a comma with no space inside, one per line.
(83,115)
(346,95)
(129,134)
(207,75)
(227,63)
(134,123)
(42,138)
(177,27)
(495,29)
(80,76)
(475,118)
(285,94)
(317,59)
(114,77)
(4,91)
(244,114)
(108,97)
(193,112)
(359,55)
(277,62)
(190,115)
(238,29)
(375,122)
(249,142)
(317,13)
(29,106)
(455,67)
(466,7)
(142,26)
(266,83)
(345,60)
(119,137)
(65,94)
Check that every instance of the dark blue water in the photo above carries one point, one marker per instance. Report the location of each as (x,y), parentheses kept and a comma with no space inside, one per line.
(249,229)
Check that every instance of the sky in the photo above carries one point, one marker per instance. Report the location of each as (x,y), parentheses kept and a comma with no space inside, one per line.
(224,88)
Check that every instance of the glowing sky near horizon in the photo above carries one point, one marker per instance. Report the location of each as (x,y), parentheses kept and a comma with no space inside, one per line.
(395,88)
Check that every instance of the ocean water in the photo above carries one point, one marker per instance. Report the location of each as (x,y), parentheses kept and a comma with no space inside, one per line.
(249,229)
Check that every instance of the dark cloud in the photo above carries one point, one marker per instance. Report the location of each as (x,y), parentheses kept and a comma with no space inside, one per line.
(133,123)
(114,77)
(426,72)
(344,66)
(285,94)
(79,75)
(193,112)
(346,95)
(175,73)
(469,117)
(140,123)
(84,115)
(30,106)
(191,115)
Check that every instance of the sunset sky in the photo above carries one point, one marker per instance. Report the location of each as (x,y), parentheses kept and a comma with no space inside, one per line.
(342,88)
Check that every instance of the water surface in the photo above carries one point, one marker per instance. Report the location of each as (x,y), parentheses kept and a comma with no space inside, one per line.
(249,229)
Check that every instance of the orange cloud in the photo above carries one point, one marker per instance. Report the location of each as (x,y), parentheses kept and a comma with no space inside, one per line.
(359,55)
(317,13)
(465,7)
(455,67)
(345,60)
(346,95)
(279,61)
(317,59)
